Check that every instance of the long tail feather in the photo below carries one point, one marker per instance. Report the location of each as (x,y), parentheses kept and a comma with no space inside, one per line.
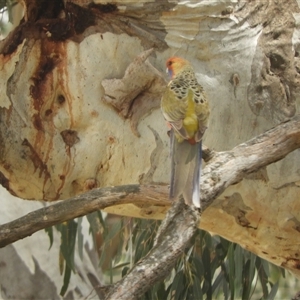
(197,175)
(185,170)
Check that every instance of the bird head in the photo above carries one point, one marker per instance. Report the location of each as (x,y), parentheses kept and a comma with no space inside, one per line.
(175,65)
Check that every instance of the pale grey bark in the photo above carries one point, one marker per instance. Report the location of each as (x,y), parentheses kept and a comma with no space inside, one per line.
(62,134)
(222,170)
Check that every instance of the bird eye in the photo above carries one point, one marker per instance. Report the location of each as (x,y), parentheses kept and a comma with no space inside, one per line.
(169,63)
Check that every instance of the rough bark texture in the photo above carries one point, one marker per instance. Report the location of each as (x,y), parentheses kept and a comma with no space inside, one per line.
(177,229)
(64,132)
(83,205)
(222,170)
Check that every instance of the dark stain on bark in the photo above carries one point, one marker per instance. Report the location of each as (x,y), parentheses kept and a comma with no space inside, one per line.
(53,21)
(45,67)
(4,181)
(36,160)
(45,22)
(277,62)
(291,262)
(48,112)
(104,8)
(61,99)
(49,59)
(80,18)
(37,122)
(70,137)
(43,9)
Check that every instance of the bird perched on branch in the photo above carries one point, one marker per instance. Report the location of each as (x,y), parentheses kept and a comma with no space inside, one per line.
(186,110)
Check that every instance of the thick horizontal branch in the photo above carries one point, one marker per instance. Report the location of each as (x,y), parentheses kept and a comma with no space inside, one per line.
(79,206)
(230,167)
(222,170)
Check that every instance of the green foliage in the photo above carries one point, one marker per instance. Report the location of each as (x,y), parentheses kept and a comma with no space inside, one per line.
(68,231)
(212,268)
(49,231)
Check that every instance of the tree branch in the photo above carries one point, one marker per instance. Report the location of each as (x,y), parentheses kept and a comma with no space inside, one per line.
(181,221)
(172,238)
(230,167)
(222,170)
(79,206)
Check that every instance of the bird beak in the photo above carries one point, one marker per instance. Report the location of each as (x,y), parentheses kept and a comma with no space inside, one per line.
(167,71)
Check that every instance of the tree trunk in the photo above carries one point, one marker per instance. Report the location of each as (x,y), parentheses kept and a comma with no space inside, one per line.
(80,97)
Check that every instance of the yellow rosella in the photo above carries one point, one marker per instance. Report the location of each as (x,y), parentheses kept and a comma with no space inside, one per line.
(185,108)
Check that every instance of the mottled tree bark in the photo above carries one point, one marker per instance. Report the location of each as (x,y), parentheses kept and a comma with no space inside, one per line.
(222,170)
(79,110)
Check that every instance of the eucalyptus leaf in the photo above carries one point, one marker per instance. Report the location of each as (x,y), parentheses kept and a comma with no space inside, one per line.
(212,268)
(120,265)
(177,286)
(113,231)
(49,231)
(262,276)
(273,291)
(239,262)
(80,237)
(217,282)
(68,240)
(197,291)
(67,277)
(231,269)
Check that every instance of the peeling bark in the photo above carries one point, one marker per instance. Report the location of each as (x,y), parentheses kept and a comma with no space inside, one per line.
(138,92)
(59,139)
(222,170)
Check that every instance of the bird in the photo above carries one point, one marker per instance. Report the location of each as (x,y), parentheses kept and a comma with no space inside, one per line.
(186,110)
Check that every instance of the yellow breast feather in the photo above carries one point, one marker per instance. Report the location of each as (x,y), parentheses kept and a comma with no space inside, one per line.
(190,121)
